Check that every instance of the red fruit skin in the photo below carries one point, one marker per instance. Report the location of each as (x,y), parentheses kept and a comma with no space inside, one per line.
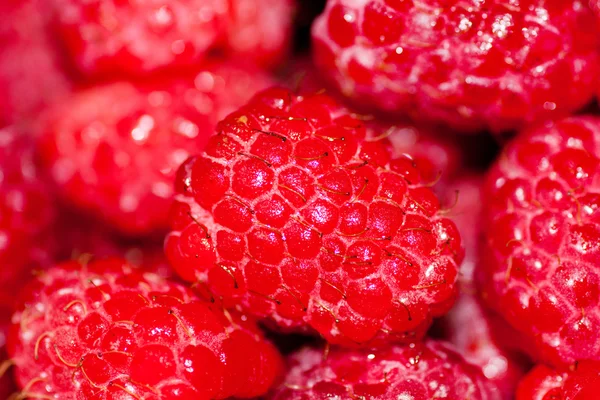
(113,149)
(543,383)
(542,236)
(301,213)
(104,331)
(469,326)
(420,371)
(260,30)
(114,38)
(468,65)
(31,73)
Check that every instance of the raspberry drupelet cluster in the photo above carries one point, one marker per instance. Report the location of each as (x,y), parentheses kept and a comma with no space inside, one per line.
(105,331)
(422,371)
(299,212)
(541,239)
(471,65)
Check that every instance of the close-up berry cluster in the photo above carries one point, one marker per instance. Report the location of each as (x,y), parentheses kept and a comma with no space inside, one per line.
(300,199)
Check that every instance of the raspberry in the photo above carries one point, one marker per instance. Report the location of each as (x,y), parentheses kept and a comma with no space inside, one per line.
(542,239)
(108,37)
(298,211)
(469,326)
(31,75)
(260,30)
(27,211)
(103,331)
(423,371)
(469,65)
(113,149)
(544,383)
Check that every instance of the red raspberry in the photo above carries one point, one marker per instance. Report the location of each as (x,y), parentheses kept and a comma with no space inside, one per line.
(103,331)
(298,211)
(422,371)
(463,199)
(114,149)
(469,326)
(471,64)
(31,76)
(260,30)
(595,5)
(543,383)
(108,37)
(27,211)
(542,238)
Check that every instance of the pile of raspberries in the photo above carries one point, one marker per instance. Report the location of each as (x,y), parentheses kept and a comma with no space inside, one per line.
(299,199)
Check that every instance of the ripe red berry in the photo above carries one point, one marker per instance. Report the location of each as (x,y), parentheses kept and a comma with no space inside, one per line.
(298,211)
(470,65)
(108,37)
(31,75)
(113,149)
(582,382)
(542,238)
(422,371)
(103,331)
